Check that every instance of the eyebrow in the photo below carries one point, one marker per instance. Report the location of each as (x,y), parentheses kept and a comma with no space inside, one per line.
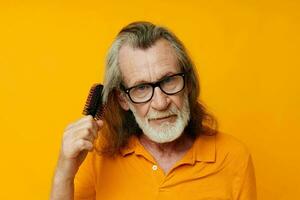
(140,82)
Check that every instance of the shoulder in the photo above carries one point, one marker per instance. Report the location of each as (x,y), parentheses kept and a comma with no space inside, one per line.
(221,147)
(230,150)
(221,143)
(226,143)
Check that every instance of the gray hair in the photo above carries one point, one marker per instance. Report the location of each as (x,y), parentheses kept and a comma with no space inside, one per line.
(142,35)
(121,124)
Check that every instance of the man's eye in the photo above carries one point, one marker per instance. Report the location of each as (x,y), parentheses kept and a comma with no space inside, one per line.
(142,87)
(168,80)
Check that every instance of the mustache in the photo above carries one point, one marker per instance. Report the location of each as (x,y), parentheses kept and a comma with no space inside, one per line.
(153,114)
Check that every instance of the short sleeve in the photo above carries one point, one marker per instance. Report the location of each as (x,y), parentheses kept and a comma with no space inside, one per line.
(246,182)
(84,182)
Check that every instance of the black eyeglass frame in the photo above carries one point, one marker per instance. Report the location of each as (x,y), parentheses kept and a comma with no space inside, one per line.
(154,85)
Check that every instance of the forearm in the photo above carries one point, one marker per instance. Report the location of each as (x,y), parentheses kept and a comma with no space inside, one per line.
(62,189)
(78,139)
(63,182)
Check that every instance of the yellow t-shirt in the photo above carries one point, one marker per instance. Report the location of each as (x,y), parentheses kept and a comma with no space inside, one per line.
(216,167)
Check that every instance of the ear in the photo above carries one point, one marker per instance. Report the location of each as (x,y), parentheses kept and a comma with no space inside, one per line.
(122,100)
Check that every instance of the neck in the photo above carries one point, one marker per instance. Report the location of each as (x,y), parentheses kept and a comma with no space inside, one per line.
(180,145)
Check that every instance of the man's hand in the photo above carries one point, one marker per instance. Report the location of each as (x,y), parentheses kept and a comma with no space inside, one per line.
(78,139)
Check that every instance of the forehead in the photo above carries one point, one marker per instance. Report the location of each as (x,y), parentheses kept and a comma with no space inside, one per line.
(147,65)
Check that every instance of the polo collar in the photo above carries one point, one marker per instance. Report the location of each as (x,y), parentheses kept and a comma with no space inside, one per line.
(132,146)
(203,149)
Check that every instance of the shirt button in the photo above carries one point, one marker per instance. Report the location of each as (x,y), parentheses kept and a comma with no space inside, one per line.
(154,167)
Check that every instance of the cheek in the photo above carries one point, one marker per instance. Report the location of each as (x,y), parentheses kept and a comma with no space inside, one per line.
(178,101)
(141,110)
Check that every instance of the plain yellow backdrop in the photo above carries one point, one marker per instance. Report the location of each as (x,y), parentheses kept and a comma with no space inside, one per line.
(247,54)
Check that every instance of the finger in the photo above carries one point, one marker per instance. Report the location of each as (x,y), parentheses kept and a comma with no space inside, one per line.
(90,125)
(95,125)
(82,144)
(79,122)
(84,133)
(99,123)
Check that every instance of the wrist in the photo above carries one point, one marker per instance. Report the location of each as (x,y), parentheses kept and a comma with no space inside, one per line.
(65,170)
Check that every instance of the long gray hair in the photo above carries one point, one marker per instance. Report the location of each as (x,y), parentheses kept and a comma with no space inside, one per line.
(121,124)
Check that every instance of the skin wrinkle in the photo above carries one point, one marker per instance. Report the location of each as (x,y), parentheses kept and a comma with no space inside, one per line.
(151,65)
(168,130)
(163,62)
(143,36)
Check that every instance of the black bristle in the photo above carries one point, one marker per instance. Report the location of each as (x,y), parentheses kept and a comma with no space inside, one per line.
(93,105)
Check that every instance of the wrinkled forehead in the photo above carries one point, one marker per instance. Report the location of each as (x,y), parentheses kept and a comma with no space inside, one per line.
(147,65)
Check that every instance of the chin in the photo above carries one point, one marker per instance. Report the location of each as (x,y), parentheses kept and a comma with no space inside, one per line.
(163,135)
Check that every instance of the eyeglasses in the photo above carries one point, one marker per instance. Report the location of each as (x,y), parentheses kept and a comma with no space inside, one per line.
(143,93)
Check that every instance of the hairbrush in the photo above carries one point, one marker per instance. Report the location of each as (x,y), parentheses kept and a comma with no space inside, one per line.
(94,105)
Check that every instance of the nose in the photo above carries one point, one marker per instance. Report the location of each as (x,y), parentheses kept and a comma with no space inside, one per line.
(160,100)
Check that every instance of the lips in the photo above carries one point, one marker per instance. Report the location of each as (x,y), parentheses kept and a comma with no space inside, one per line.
(161,118)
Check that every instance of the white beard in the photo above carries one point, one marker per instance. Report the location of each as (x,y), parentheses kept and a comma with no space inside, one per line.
(166,132)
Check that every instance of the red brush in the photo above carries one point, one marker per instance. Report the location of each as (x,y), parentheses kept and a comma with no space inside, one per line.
(94,105)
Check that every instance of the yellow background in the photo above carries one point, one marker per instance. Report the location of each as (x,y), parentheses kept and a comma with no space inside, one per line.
(247,53)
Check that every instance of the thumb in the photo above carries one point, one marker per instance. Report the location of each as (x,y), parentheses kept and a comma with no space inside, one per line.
(99,123)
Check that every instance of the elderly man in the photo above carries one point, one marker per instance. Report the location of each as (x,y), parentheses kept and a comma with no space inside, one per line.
(156,140)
